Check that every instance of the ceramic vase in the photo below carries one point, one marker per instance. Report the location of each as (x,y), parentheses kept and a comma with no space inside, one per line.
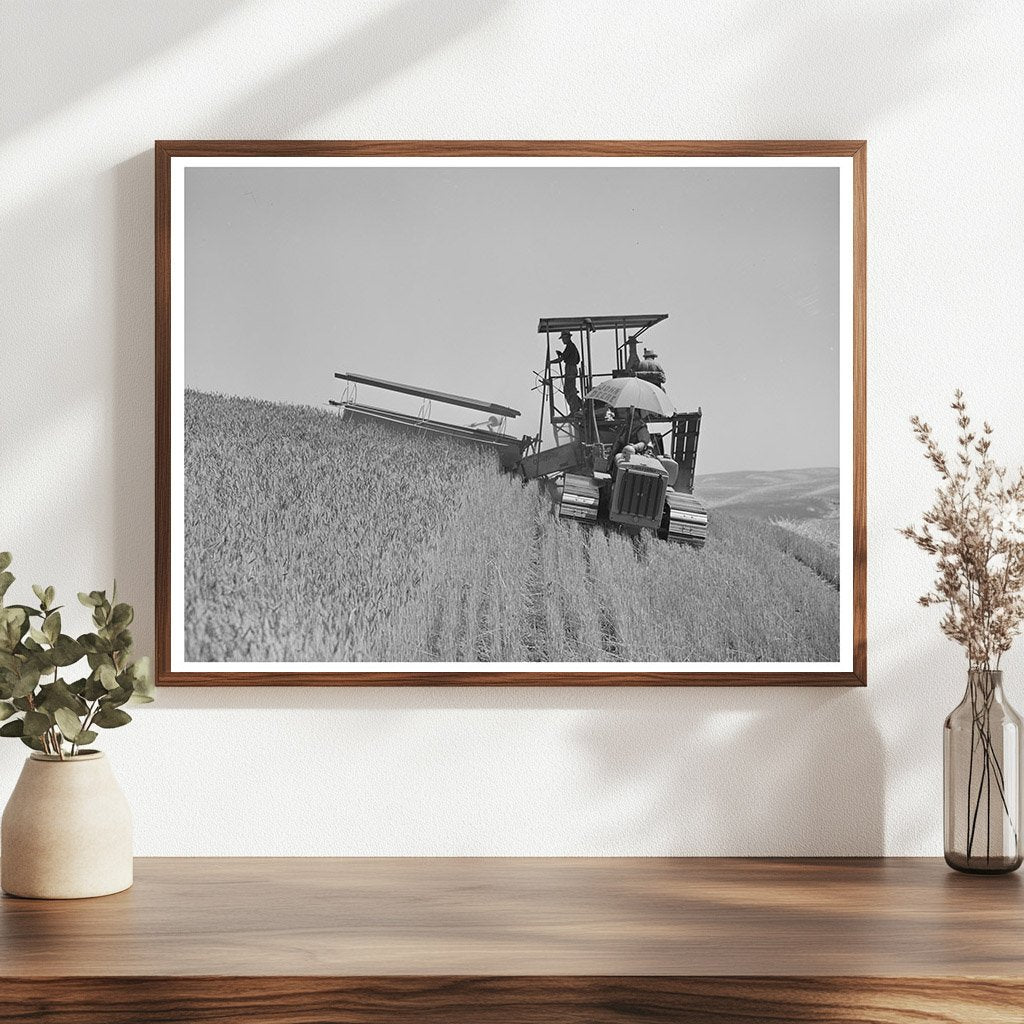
(66,831)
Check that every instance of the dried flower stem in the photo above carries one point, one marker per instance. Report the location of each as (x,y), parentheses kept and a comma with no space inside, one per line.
(975,531)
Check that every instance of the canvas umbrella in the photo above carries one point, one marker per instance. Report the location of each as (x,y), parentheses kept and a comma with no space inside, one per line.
(632,393)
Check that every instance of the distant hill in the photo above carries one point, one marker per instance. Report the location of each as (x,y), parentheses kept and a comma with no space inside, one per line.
(784,494)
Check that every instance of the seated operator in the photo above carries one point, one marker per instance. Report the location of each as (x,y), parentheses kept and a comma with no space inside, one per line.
(650,369)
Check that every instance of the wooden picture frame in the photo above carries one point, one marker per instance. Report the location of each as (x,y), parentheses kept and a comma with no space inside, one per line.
(849,156)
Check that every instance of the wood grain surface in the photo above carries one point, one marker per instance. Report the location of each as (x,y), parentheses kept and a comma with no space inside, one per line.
(504,940)
(511,1000)
(506,916)
(165,150)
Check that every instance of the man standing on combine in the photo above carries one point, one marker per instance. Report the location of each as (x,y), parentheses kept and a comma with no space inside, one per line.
(569,357)
(632,360)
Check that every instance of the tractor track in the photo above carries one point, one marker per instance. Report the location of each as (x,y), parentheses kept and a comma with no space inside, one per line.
(611,642)
(832,581)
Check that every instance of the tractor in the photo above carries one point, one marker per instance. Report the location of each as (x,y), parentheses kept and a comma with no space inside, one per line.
(621,452)
(620,455)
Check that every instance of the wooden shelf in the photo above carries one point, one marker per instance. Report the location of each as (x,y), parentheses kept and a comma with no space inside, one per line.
(506,940)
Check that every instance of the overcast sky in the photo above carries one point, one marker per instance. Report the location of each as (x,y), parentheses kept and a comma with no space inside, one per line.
(437,277)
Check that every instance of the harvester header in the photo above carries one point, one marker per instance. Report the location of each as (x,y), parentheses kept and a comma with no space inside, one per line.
(431,395)
(490,433)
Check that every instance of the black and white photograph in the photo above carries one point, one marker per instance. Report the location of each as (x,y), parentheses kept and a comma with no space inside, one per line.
(511,415)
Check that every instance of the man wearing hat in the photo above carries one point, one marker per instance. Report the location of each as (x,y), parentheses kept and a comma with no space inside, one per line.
(650,369)
(632,360)
(569,357)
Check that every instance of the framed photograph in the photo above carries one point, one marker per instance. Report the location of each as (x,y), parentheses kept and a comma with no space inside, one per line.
(493,413)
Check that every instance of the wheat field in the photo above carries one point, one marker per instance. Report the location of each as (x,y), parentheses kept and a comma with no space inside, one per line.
(313,538)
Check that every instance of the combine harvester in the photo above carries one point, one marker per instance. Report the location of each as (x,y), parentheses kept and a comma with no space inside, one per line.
(609,462)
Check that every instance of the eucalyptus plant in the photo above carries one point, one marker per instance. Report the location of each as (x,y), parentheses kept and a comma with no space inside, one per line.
(37,704)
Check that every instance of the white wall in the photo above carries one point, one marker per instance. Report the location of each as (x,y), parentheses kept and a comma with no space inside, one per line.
(935,87)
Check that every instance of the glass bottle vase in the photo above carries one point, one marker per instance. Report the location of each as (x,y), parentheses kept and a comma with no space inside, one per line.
(981,771)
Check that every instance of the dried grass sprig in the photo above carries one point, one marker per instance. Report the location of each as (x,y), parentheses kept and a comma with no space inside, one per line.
(975,530)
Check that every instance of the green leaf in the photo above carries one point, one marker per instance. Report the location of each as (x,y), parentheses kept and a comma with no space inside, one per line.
(141,669)
(6,710)
(59,695)
(142,681)
(67,651)
(50,595)
(40,593)
(38,635)
(94,644)
(36,723)
(109,718)
(6,579)
(5,559)
(31,741)
(89,600)
(12,627)
(86,736)
(69,724)
(13,728)
(94,689)
(107,676)
(28,610)
(27,682)
(122,616)
(115,698)
(16,615)
(51,626)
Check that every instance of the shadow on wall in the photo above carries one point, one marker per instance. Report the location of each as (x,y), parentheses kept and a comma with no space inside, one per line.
(739,772)
(691,771)
(36,79)
(132,412)
(393,40)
